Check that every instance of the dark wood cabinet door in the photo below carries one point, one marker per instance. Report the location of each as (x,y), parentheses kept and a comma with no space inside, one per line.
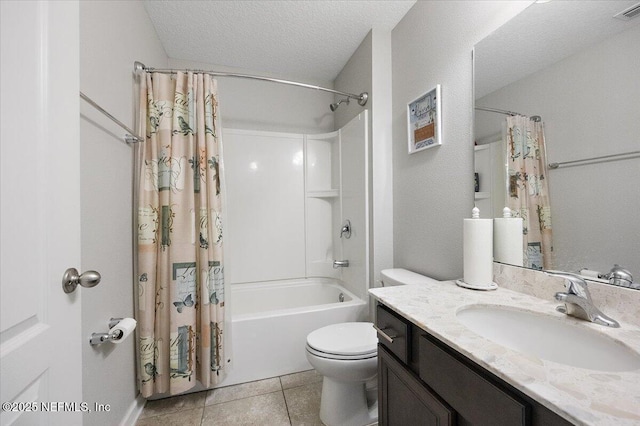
(403,400)
(473,396)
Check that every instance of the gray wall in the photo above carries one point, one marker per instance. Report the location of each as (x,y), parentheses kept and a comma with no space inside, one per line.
(369,70)
(433,189)
(354,78)
(113,34)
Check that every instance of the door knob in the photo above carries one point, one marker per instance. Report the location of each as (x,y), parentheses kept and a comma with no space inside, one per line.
(72,278)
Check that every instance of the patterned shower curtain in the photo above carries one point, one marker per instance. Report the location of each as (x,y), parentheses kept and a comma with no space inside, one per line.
(528,189)
(180,265)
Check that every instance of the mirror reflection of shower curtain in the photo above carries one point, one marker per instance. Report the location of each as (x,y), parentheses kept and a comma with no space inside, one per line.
(528,189)
(181,297)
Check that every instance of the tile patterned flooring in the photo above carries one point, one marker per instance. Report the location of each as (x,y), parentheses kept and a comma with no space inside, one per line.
(292,400)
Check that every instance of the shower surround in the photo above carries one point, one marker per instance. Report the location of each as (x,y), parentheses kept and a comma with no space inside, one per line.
(288,195)
(287,198)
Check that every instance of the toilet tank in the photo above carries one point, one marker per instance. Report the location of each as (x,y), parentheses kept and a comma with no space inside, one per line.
(399,276)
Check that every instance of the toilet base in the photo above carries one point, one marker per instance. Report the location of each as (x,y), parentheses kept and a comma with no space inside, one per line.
(345,404)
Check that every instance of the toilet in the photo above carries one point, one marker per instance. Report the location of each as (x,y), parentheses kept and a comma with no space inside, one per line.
(346,355)
(399,276)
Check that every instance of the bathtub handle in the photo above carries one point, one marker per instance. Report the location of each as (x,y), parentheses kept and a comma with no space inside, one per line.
(384,335)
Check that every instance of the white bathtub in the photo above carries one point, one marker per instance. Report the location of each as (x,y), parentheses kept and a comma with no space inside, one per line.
(270,323)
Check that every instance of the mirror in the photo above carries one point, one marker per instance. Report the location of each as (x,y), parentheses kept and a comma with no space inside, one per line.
(577,67)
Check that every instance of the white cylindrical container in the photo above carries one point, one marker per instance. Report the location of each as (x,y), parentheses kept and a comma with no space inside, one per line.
(508,239)
(478,253)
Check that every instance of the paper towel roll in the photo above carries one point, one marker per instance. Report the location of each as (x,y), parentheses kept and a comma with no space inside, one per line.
(123,329)
(507,240)
(478,252)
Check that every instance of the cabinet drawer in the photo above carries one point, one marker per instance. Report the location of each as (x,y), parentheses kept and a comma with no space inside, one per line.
(396,330)
(472,396)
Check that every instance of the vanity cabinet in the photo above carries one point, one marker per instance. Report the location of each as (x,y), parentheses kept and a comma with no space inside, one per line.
(402,397)
(422,381)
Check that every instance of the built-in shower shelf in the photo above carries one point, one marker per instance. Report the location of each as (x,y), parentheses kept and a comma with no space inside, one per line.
(330,193)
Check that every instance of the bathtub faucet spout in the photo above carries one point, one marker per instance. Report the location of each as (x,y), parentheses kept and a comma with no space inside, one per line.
(340,264)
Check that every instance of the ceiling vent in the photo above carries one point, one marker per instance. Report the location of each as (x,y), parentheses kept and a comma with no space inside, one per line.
(629,13)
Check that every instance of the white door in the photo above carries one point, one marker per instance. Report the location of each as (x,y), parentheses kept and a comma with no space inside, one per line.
(40,338)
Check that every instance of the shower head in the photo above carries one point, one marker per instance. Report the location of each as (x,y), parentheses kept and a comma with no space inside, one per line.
(335,106)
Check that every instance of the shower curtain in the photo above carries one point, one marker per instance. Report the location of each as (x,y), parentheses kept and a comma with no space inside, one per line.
(528,190)
(180,264)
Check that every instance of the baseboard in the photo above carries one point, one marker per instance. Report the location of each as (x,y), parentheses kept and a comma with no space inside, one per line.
(134,411)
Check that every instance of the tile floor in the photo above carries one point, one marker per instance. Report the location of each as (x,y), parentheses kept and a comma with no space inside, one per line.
(293,400)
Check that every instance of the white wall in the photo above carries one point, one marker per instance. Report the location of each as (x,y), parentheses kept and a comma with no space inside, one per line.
(113,34)
(258,105)
(433,189)
(588,114)
(323,206)
(265,223)
(283,219)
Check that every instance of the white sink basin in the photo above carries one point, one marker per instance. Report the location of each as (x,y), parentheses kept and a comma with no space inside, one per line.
(549,338)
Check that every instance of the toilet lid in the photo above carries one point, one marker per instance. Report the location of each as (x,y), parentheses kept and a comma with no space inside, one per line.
(349,338)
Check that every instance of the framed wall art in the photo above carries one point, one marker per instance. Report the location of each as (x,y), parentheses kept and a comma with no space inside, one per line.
(424,121)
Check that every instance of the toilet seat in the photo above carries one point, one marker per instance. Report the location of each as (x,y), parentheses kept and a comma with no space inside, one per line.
(320,354)
(353,340)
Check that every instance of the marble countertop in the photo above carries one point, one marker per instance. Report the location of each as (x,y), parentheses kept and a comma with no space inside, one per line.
(584,397)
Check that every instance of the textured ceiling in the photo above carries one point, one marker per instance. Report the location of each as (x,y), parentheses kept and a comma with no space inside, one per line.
(544,34)
(304,40)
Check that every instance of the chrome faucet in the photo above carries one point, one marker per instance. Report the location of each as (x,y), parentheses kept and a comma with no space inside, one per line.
(620,277)
(345,231)
(340,264)
(577,300)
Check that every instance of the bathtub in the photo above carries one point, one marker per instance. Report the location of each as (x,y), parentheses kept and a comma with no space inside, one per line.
(270,322)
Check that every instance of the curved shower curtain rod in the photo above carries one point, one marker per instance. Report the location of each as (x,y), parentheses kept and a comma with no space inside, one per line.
(535,118)
(362,97)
